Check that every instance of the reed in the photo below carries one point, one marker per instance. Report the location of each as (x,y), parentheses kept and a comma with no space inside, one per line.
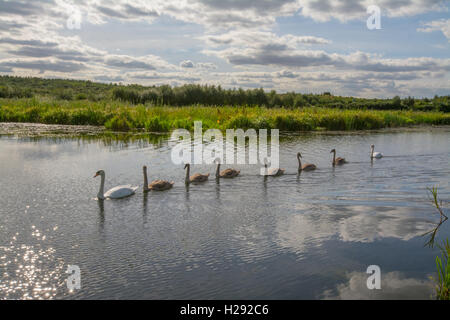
(443,272)
(120,116)
(442,263)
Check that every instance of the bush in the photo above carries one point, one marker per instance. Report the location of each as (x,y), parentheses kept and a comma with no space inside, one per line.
(183,124)
(81,96)
(65,95)
(155,124)
(240,122)
(289,123)
(118,123)
(363,122)
(57,116)
(125,94)
(332,122)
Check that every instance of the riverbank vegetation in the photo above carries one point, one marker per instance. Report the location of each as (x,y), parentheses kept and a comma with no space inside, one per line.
(442,281)
(162,109)
(123,117)
(443,272)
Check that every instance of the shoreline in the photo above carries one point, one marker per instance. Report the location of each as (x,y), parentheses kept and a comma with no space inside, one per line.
(39,129)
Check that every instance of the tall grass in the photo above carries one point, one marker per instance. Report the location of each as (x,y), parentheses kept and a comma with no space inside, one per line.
(120,116)
(442,262)
(443,271)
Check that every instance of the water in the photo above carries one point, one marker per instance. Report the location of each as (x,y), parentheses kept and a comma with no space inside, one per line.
(293,237)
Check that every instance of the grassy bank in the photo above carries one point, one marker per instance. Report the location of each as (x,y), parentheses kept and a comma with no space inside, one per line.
(120,116)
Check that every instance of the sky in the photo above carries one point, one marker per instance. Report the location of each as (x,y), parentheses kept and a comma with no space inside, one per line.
(307,46)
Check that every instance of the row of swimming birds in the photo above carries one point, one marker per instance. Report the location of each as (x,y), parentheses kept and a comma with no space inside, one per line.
(162,185)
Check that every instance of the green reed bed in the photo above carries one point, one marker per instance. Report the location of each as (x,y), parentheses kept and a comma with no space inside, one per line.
(120,116)
(443,272)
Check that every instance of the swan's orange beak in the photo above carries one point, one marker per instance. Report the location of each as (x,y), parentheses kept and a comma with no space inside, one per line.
(96,175)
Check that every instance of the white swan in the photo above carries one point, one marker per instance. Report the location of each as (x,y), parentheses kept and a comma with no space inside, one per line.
(377,155)
(114,193)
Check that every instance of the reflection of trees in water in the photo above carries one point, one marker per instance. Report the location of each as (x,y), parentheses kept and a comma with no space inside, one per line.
(119,140)
(110,139)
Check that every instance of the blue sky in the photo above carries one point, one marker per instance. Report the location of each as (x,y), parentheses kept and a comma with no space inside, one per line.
(287,45)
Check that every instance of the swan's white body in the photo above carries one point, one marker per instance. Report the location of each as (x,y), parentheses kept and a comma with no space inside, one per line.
(118,192)
(376,155)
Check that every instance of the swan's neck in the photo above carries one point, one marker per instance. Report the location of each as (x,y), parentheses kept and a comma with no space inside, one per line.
(371,154)
(145,180)
(218,170)
(188,169)
(299,163)
(334,158)
(101,192)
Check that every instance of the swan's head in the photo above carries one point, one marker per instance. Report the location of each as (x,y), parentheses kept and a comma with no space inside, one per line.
(334,150)
(99,173)
(187,165)
(217,160)
(372,146)
(299,155)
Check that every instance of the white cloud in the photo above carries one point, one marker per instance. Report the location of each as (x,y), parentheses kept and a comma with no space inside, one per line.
(394,286)
(348,224)
(239,39)
(187,64)
(149,62)
(259,38)
(219,13)
(345,10)
(282,53)
(437,25)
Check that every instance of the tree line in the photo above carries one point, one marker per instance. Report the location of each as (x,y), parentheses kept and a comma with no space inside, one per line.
(206,95)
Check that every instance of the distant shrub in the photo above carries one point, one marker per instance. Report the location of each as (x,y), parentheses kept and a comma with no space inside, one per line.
(14,92)
(363,122)
(65,94)
(183,124)
(240,122)
(289,123)
(81,96)
(125,94)
(155,124)
(118,123)
(262,124)
(88,117)
(149,96)
(56,116)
